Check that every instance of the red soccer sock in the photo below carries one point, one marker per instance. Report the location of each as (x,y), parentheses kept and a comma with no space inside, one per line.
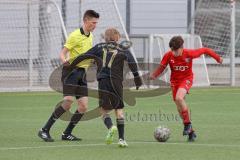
(185,116)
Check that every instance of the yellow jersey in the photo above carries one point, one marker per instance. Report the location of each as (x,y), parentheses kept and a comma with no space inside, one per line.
(78,43)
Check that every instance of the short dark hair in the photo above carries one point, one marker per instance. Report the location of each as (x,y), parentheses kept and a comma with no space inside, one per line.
(91,14)
(176,42)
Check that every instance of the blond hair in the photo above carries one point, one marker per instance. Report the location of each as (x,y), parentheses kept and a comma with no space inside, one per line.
(111,34)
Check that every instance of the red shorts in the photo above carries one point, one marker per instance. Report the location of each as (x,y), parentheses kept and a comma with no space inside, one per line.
(186,84)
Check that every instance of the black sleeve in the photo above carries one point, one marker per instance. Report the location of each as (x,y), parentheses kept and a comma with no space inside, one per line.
(93,53)
(134,68)
(132,63)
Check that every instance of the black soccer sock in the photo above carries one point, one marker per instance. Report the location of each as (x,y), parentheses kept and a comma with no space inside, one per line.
(120,126)
(107,121)
(74,120)
(55,115)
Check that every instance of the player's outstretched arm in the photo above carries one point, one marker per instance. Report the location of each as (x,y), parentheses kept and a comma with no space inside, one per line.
(93,53)
(134,69)
(159,70)
(198,52)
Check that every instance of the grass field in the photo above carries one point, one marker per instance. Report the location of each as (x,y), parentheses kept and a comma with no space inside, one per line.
(215,116)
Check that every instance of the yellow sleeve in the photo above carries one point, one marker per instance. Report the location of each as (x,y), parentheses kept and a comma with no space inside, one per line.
(70,43)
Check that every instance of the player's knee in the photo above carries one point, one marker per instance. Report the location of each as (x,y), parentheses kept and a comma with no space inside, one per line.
(82,107)
(67,104)
(119,114)
(120,117)
(179,99)
(82,104)
(104,111)
(105,115)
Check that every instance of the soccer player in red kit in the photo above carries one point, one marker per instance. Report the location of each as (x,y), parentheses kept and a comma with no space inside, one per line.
(180,62)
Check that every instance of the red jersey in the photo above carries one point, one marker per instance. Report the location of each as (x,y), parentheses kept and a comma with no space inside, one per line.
(181,66)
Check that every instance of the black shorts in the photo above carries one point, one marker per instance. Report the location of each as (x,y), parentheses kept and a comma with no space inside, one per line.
(110,94)
(74,82)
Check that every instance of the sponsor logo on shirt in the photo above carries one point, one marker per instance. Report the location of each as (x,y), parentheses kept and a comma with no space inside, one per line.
(187,60)
(188,82)
(180,68)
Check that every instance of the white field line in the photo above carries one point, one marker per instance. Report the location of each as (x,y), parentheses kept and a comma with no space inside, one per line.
(53,146)
(135,142)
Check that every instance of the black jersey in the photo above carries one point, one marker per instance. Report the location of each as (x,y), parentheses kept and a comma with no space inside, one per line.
(110,60)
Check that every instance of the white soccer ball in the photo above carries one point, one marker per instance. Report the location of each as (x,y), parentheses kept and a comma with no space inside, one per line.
(162,134)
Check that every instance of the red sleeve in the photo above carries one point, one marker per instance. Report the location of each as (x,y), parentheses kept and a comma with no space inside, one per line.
(162,66)
(198,52)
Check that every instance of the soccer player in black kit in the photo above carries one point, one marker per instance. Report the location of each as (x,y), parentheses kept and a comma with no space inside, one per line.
(110,57)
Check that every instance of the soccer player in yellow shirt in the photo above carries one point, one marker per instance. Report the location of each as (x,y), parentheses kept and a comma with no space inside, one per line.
(78,42)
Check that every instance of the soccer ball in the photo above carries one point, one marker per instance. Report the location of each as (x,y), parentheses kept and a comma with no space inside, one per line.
(161,134)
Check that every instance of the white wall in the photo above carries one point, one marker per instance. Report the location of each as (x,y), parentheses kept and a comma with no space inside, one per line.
(158,16)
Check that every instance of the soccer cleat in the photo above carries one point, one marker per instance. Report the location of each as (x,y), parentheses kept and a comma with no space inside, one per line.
(111,132)
(192,136)
(70,137)
(122,143)
(44,135)
(187,129)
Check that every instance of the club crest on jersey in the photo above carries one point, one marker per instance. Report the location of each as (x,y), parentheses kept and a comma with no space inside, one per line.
(188,82)
(187,60)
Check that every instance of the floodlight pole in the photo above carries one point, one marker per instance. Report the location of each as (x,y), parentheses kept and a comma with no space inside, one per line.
(233,31)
